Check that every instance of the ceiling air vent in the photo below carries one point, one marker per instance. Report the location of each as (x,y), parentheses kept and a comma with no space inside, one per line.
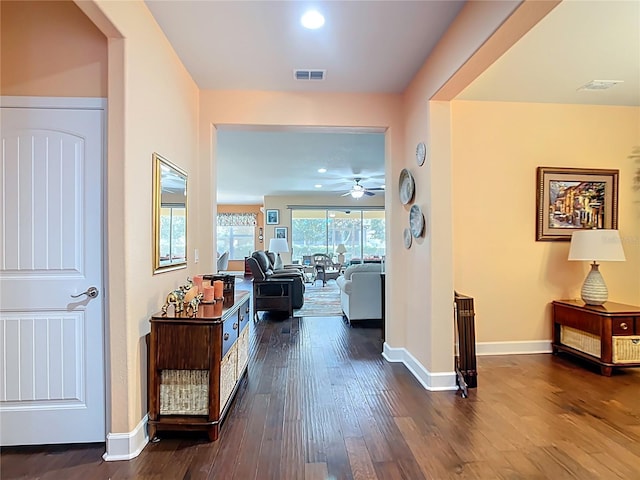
(308,74)
(599,84)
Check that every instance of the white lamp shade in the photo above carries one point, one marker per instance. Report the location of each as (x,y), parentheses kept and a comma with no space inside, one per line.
(596,245)
(341,248)
(278,245)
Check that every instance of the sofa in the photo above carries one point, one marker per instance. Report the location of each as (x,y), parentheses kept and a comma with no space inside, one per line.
(360,292)
(263,274)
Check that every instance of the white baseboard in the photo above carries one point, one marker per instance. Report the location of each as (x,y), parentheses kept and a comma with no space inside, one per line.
(513,348)
(125,446)
(430,381)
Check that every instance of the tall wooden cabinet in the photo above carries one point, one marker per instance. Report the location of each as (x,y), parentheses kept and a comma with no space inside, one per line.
(195,366)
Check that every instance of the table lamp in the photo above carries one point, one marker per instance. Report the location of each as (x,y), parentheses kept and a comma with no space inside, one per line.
(596,245)
(341,250)
(277,245)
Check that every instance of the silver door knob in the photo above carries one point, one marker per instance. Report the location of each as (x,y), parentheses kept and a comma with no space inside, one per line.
(91,292)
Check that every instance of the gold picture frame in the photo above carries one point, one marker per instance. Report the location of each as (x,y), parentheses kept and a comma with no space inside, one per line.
(570,199)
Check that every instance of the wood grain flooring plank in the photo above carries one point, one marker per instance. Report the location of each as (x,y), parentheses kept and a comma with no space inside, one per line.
(292,457)
(315,471)
(252,441)
(375,441)
(271,447)
(228,451)
(359,459)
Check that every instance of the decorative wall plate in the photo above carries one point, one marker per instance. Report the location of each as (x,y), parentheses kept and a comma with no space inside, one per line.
(406,235)
(416,221)
(421,153)
(407,186)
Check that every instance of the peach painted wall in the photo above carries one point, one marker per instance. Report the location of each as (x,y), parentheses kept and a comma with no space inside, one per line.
(496,149)
(145,116)
(422,320)
(299,109)
(51,49)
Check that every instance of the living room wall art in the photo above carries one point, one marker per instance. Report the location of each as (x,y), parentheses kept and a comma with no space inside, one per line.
(281,232)
(416,221)
(407,238)
(570,199)
(273,217)
(406,185)
(421,153)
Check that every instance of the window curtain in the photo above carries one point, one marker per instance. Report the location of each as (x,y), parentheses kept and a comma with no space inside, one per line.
(237,219)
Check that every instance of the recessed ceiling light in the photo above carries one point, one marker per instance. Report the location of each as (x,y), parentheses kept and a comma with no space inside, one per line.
(317,185)
(322,170)
(312,20)
(600,84)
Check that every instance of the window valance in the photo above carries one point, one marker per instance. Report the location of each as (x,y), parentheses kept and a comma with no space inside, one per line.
(237,219)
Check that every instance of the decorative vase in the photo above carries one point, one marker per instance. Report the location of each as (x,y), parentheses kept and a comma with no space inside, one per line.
(594,290)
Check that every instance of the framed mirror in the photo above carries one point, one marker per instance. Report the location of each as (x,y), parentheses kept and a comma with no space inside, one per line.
(169,215)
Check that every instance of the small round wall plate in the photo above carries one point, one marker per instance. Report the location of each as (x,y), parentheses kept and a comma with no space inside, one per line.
(416,221)
(407,186)
(421,153)
(406,235)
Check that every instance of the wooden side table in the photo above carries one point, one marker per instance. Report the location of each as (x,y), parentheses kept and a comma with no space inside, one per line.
(607,335)
(195,365)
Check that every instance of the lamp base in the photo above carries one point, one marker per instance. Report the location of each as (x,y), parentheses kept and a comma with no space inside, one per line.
(594,290)
(277,265)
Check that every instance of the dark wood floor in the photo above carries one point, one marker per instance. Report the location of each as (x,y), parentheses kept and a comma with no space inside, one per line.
(319,402)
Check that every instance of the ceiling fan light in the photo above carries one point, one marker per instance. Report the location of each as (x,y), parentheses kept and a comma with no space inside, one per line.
(357,193)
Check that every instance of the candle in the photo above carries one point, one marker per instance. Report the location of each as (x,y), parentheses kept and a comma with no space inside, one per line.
(197,281)
(218,286)
(217,309)
(208,294)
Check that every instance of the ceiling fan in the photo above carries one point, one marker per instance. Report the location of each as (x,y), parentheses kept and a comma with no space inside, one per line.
(358,191)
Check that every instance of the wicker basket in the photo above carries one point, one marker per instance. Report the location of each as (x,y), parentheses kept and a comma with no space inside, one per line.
(583,341)
(626,349)
(184,392)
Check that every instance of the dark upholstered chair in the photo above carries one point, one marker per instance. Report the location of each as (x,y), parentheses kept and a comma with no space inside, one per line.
(285,268)
(274,291)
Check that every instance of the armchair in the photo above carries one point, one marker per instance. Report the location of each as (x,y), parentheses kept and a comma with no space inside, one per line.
(274,291)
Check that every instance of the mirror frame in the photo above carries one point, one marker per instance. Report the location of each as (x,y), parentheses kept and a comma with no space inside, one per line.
(158,162)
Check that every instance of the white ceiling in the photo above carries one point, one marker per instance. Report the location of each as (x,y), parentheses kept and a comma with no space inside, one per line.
(378,46)
(287,163)
(579,41)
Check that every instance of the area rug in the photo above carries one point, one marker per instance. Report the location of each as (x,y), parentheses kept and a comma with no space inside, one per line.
(320,301)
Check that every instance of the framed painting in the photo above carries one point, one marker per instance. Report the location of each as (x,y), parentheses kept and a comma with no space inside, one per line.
(570,199)
(273,217)
(281,232)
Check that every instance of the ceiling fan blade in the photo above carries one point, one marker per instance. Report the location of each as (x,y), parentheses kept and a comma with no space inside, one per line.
(376,189)
(346,194)
(367,192)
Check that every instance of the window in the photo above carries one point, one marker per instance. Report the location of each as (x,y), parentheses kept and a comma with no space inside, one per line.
(236,233)
(362,232)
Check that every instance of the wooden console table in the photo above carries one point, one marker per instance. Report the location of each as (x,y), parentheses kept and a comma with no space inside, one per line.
(607,335)
(195,365)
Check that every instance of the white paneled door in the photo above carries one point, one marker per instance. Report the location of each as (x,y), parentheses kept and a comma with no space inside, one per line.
(51,333)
